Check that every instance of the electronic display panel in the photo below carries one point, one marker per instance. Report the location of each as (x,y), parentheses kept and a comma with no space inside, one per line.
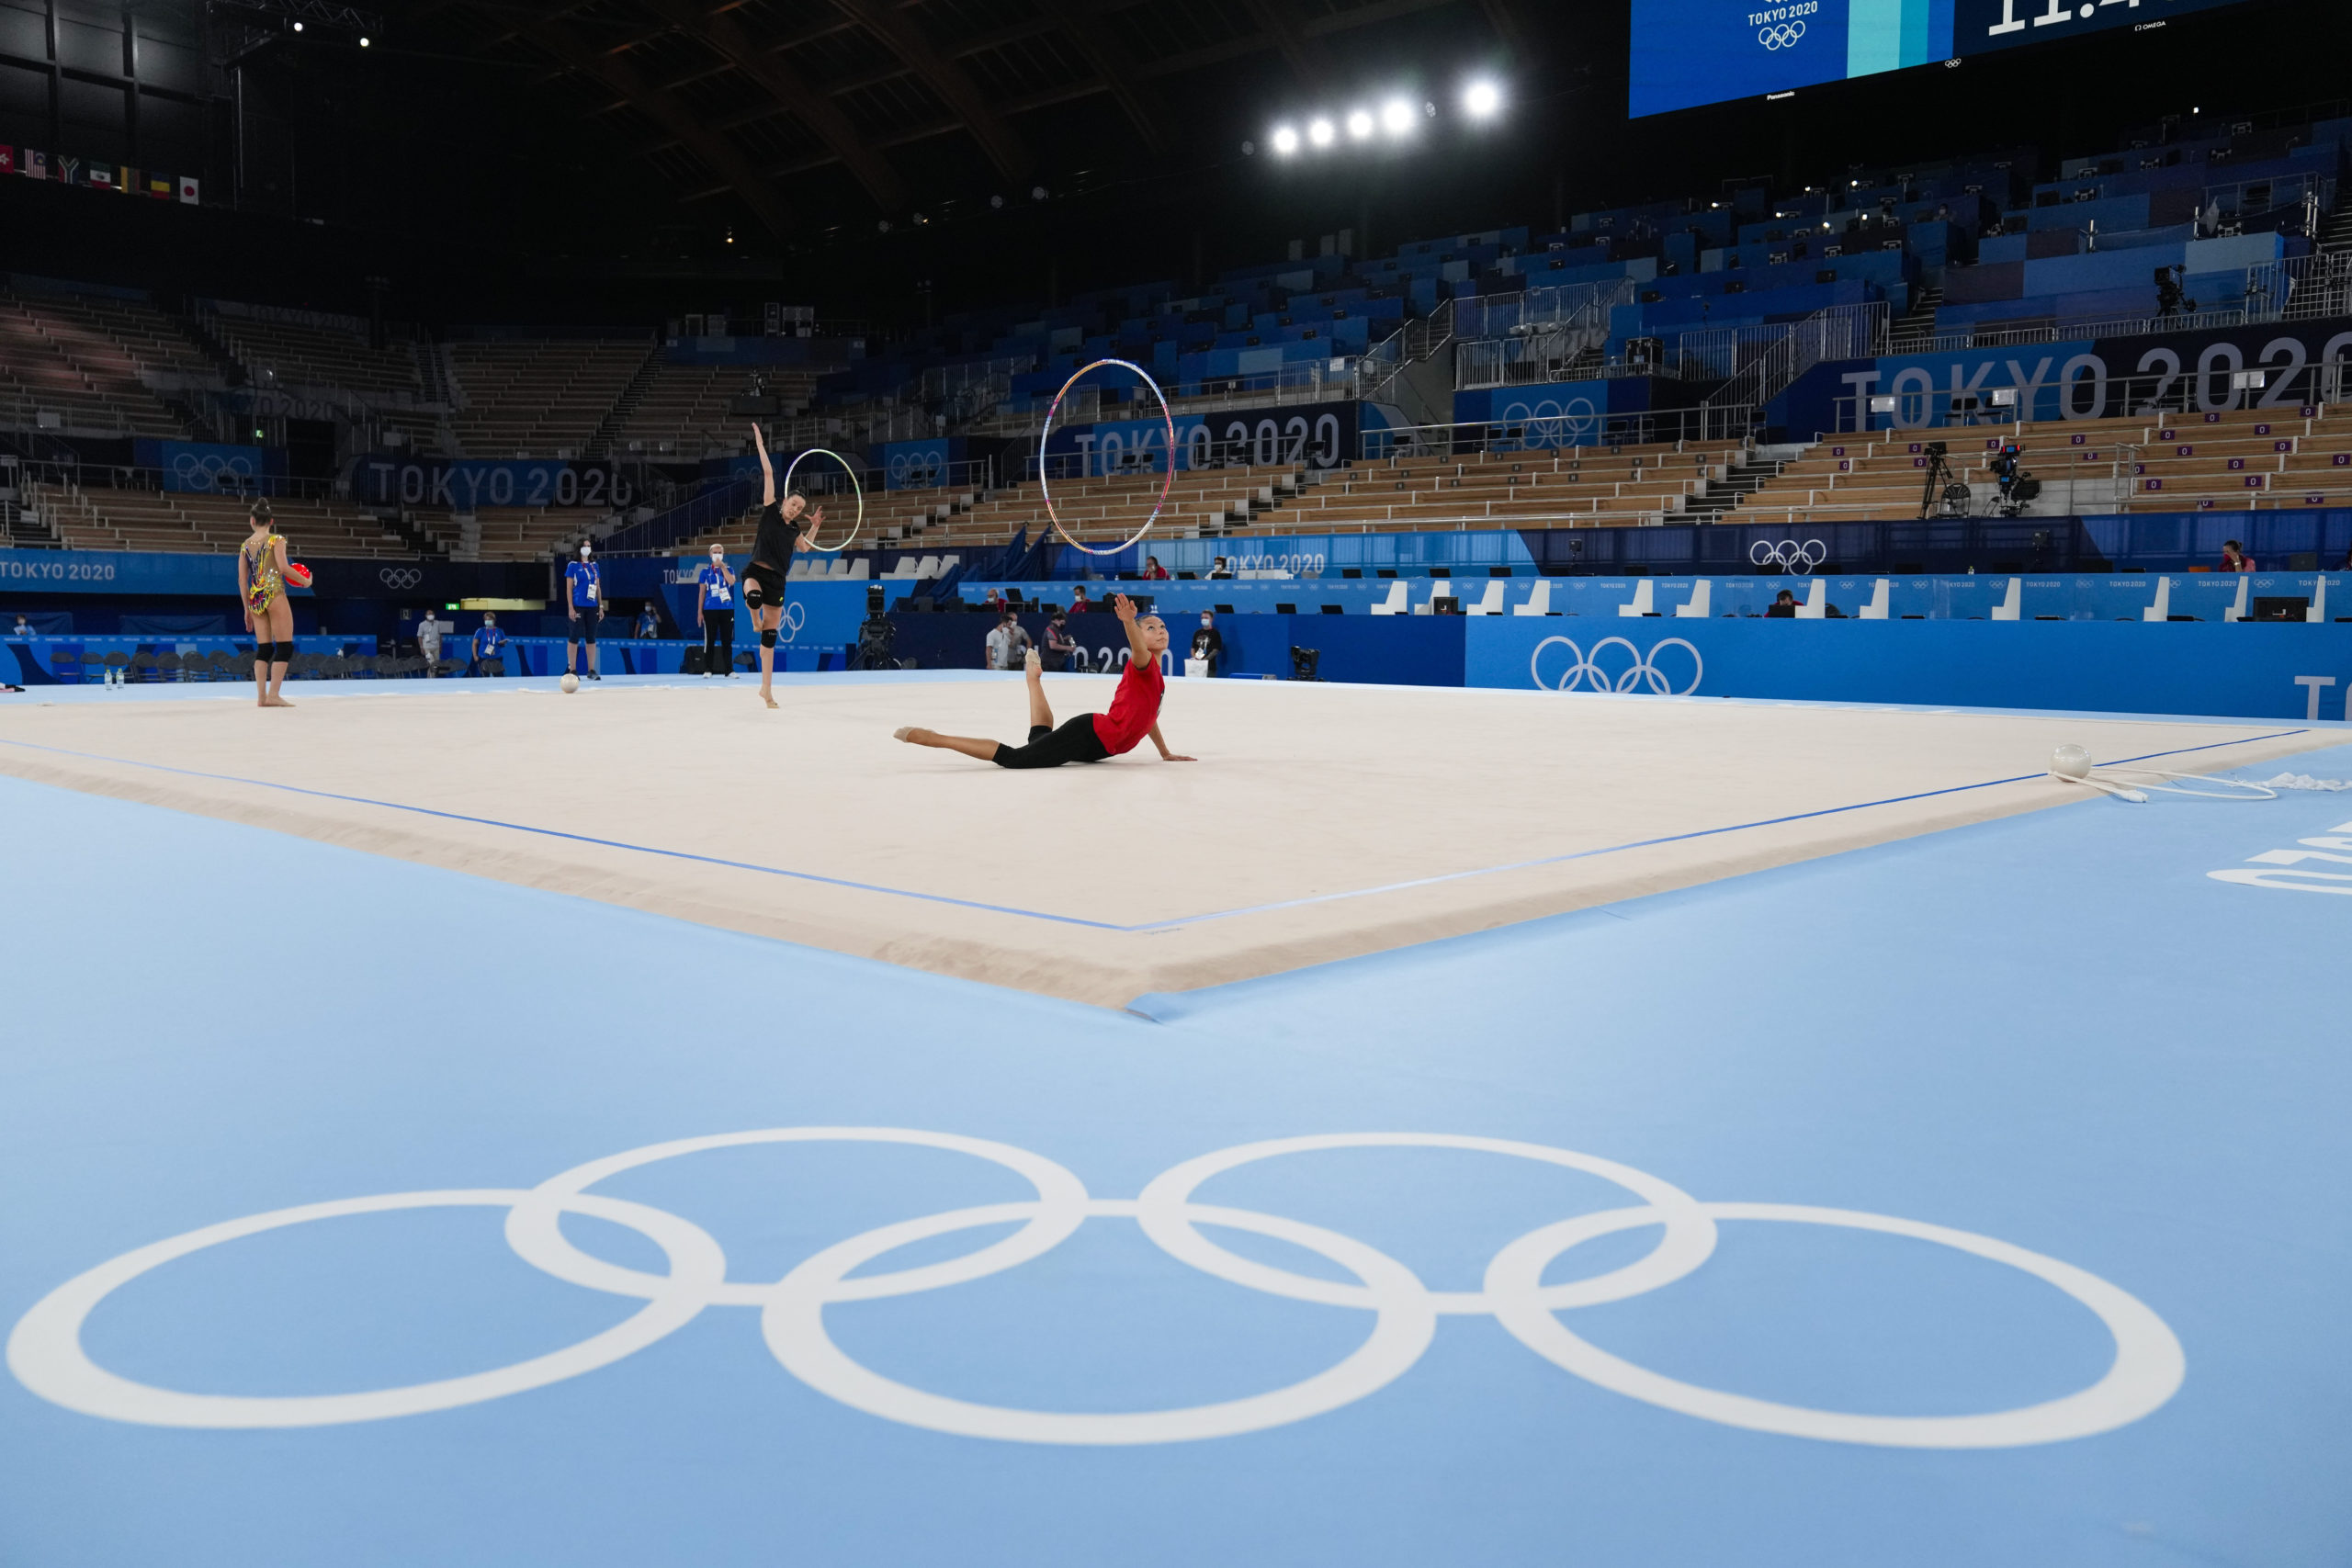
(1688,52)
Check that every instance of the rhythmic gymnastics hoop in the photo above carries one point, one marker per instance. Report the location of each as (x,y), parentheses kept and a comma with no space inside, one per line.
(786,489)
(1045,487)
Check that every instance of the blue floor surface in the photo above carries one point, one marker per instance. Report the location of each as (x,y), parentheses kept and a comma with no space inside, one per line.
(2055,1031)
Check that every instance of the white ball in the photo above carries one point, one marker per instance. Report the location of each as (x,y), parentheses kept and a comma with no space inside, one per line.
(570,683)
(2070,762)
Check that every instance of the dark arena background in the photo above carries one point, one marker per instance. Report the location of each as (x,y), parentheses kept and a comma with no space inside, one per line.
(535,1033)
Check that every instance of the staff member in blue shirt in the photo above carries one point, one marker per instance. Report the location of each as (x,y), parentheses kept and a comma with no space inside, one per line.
(714,613)
(586,582)
(490,645)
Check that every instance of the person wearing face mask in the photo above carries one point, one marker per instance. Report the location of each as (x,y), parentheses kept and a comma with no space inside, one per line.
(490,646)
(586,585)
(1208,644)
(714,613)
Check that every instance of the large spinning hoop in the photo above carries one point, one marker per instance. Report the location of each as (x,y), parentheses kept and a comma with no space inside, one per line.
(1045,486)
(785,488)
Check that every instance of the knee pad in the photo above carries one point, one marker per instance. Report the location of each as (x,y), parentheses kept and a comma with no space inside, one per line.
(753,597)
(767,637)
(285,653)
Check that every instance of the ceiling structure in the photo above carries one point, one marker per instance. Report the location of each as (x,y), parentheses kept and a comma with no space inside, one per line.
(789,107)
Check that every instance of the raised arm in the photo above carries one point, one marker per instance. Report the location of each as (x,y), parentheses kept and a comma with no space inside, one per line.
(767,469)
(807,539)
(1125,608)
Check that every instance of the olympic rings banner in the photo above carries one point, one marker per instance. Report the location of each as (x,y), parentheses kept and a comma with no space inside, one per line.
(468,484)
(198,468)
(918,465)
(1554,413)
(1315,435)
(795,1318)
(2293,674)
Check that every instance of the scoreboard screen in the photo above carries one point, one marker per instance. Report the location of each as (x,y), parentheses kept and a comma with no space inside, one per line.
(1688,52)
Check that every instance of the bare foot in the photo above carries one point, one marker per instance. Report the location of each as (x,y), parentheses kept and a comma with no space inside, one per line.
(768,697)
(277,703)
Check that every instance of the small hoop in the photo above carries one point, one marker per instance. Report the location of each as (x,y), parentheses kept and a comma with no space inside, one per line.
(785,488)
(1045,487)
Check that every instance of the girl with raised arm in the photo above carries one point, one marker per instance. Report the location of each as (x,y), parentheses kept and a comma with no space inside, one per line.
(1091,737)
(782,531)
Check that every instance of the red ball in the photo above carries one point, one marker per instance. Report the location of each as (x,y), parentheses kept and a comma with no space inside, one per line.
(298,574)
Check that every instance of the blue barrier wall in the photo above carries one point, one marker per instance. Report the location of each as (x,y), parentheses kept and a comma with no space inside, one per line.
(2294,672)
(62,660)
(2073,596)
(814,613)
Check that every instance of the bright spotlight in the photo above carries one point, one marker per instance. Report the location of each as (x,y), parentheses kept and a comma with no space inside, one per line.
(1360,125)
(1396,117)
(1481,99)
(1320,131)
(297,27)
(363,41)
(1286,141)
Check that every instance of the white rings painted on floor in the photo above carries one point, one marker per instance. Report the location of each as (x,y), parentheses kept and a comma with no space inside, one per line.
(45,1351)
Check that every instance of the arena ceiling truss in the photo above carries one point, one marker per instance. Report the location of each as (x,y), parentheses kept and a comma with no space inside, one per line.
(749,96)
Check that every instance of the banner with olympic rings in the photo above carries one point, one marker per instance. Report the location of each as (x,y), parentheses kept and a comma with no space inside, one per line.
(202,467)
(1554,413)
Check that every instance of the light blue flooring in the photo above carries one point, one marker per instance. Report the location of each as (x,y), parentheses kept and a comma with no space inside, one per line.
(2055,1031)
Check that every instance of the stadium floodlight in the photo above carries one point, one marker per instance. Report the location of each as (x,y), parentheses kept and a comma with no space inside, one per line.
(1360,125)
(1320,131)
(1396,117)
(1284,140)
(297,27)
(363,41)
(1481,99)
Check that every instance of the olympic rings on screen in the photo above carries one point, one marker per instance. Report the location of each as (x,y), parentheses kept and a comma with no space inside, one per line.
(784,487)
(1045,483)
(46,1354)
(1789,555)
(1785,36)
(1587,674)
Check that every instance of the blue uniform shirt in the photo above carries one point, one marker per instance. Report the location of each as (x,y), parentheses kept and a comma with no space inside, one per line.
(717,593)
(587,584)
(489,641)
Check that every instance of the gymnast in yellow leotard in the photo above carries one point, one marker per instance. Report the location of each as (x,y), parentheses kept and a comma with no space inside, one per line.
(269,616)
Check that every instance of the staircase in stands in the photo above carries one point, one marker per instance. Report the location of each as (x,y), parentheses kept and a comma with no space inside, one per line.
(600,441)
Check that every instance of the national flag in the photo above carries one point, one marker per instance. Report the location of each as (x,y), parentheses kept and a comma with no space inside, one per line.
(159,187)
(69,169)
(36,164)
(101,178)
(188,189)
(126,180)
(7,160)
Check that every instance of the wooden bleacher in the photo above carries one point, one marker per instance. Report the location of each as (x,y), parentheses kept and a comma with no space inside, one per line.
(80,356)
(300,353)
(102,519)
(2168,463)
(539,399)
(683,412)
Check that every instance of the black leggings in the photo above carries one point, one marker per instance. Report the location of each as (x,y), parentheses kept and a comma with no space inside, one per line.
(718,640)
(1075,741)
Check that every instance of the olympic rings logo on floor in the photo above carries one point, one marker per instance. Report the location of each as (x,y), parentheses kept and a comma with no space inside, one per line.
(1593,674)
(1789,555)
(1785,36)
(45,1350)
(401,577)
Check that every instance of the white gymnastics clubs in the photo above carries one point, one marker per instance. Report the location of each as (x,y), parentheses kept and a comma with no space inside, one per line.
(1400,1314)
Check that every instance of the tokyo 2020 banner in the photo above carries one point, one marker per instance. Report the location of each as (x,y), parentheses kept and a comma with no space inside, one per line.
(1688,52)
(466,484)
(1313,435)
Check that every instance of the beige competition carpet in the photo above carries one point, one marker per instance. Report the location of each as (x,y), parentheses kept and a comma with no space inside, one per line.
(1322,821)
